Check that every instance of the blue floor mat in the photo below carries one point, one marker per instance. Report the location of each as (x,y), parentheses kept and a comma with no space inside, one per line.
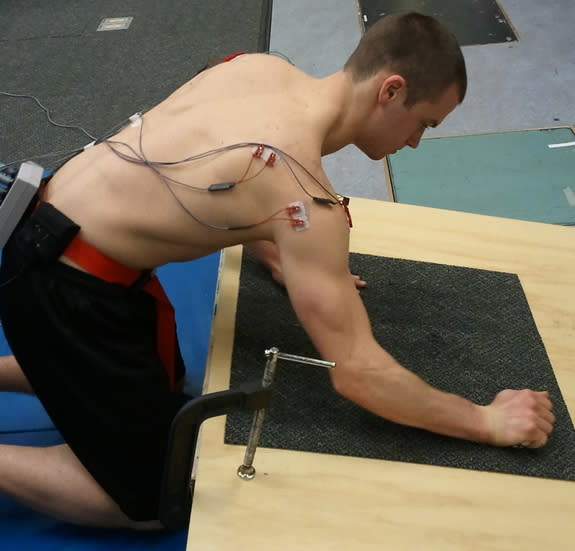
(21,413)
(23,529)
(191,287)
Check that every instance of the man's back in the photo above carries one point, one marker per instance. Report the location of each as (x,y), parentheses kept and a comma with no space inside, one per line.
(140,217)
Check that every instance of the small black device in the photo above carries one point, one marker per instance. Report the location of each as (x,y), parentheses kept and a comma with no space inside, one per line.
(18,186)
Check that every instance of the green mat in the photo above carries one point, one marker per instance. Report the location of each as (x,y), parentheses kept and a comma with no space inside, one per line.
(513,175)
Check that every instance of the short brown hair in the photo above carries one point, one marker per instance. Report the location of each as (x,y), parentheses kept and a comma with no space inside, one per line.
(419,48)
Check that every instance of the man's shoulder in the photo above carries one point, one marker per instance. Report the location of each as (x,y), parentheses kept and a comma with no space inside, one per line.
(259,65)
(266,60)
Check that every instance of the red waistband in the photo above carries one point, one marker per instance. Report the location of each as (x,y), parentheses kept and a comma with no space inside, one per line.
(97,263)
(102,266)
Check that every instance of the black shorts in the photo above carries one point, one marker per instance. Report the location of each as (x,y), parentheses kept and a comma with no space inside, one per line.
(88,348)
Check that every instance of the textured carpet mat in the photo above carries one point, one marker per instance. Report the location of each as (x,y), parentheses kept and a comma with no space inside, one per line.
(463,330)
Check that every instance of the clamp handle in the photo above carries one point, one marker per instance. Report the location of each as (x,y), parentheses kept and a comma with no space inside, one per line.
(178,485)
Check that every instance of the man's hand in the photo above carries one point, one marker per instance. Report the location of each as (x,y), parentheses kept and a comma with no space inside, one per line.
(519,417)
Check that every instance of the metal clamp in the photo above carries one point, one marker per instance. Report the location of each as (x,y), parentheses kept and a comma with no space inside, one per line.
(179,470)
(246,470)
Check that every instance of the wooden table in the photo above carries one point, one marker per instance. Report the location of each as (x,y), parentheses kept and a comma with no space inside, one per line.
(301,500)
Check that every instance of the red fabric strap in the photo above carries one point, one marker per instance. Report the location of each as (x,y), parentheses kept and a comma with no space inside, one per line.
(98,264)
(233,56)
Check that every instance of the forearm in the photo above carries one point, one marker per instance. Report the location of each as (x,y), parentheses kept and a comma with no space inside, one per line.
(393,392)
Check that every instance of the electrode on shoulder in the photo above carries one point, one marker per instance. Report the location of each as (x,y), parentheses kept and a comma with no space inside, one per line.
(135,120)
(298,215)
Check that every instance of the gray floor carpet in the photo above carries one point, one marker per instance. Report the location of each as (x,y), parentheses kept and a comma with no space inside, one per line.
(53,50)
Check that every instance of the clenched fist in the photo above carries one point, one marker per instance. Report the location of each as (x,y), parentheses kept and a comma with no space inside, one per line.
(519,417)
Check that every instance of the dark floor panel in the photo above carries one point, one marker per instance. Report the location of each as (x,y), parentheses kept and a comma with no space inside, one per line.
(463,330)
(472,21)
(31,19)
(53,50)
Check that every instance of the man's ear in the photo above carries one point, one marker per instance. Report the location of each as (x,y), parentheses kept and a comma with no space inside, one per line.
(391,88)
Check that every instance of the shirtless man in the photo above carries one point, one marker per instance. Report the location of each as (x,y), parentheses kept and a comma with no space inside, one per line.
(87,347)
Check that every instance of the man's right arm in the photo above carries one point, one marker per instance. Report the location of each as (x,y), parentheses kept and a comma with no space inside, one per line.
(314,266)
(267,253)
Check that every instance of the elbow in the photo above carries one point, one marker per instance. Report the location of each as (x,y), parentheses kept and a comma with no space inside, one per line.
(366,380)
(340,381)
(352,380)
